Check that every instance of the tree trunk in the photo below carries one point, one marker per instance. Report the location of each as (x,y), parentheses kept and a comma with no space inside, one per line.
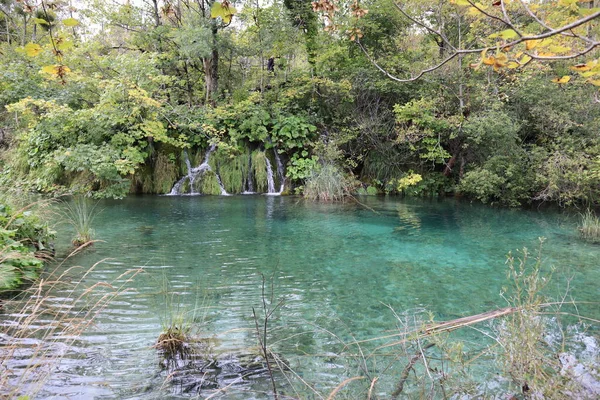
(211,70)
(156,13)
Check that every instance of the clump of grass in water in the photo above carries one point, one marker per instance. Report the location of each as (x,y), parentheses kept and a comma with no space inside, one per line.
(80,214)
(327,184)
(590,227)
(177,323)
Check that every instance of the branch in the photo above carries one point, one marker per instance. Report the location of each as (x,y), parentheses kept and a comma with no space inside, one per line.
(551,32)
(421,24)
(414,78)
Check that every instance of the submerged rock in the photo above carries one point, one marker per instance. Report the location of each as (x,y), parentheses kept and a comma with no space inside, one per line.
(197,369)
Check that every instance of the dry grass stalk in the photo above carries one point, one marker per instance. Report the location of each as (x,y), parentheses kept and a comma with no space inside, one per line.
(62,325)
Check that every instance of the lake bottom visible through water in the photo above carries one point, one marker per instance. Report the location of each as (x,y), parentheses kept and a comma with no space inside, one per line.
(344,280)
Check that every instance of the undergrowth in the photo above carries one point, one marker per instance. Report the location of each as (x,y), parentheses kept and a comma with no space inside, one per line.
(326,184)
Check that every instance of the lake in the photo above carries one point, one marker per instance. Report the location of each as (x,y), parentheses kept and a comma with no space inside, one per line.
(337,272)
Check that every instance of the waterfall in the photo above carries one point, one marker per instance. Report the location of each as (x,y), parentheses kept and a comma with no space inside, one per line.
(280,171)
(270,182)
(223,191)
(249,183)
(194,173)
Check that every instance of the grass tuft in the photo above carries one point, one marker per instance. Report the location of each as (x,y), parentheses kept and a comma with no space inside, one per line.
(80,214)
(327,184)
(590,227)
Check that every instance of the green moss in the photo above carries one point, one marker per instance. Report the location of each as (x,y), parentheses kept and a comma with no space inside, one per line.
(232,170)
(259,169)
(208,184)
(165,174)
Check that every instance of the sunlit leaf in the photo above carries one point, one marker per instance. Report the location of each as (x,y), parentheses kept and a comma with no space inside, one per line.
(70,22)
(225,12)
(595,82)
(531,44)
(32,49)
(580,67)
(513,65)
(559,49)
(56,70)
(491,60)
(40,21)
(462,3)
(562,80)
(506,34)
(525,59)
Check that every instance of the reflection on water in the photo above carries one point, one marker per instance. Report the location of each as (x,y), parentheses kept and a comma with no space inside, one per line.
(337,268)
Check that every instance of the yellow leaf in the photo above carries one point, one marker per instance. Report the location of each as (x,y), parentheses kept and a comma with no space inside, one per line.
(595,82)
(525,59)
(588,74)
(562,80)
(462,3)
(70,22)
(55,69)
(491,60)
(580,67)
(32,49)
(512,65)
(50,69)
(559,49)
(531,44)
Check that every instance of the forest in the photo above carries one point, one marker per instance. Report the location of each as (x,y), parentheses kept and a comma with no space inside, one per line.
(109,99)
(299,199)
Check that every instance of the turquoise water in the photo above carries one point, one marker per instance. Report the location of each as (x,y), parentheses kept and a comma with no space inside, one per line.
(337,268)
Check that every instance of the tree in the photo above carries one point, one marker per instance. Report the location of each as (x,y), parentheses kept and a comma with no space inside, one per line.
(507,33)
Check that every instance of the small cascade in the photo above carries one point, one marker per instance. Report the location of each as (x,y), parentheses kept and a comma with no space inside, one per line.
(194,173)
(223,191)
(270,181)
(249,182)
(280,171)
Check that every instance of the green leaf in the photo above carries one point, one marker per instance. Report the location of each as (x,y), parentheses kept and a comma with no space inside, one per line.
(505,34)
(70,22)
(40,21)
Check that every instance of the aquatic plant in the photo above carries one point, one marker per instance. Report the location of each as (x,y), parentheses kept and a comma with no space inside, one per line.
(164,174)
(178,321)
(208,184)
(590,227)
(233,170)
(326,184)
(259,169)
(80,214)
